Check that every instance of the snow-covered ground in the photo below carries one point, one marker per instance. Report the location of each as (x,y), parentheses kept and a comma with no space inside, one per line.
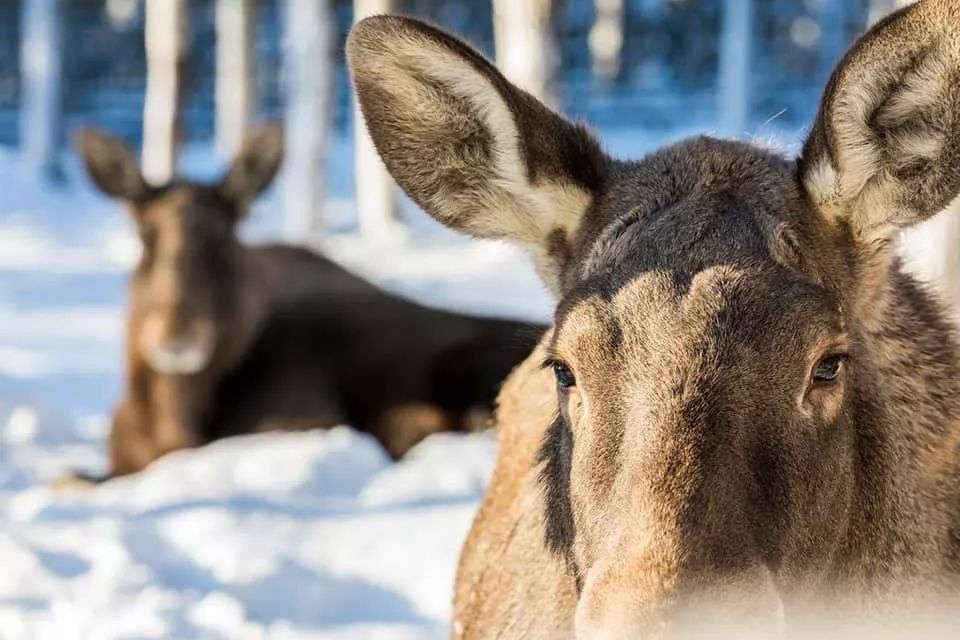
(308,535)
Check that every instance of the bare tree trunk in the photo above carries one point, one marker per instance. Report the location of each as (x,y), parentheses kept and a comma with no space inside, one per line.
(606,38)
(736,40)
(377,212)
(880,8)
(166,44)
(308,75)
(524,44)
(40,111)
(235,73)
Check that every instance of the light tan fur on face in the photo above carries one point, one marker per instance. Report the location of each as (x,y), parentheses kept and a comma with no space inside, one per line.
(169,339)
(491,583)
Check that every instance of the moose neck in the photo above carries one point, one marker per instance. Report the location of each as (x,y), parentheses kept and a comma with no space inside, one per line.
(908,428)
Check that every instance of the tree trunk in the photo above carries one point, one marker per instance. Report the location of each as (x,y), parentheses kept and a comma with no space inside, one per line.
(40,111)
(523,39)
(734,83)
(308,72)
(166,45)
(606,38)
(235,73)
(376,192)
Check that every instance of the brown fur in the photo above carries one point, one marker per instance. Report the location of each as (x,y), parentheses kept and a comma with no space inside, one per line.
(224,339)
(754,408)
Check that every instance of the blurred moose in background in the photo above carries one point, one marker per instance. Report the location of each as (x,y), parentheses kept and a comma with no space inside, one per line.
(225,339)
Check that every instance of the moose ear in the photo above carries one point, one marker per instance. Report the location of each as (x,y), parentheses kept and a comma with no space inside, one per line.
(885,150)
(112,165)
(477,153)
(255,165)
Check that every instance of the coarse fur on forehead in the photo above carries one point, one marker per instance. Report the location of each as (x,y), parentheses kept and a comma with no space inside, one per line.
(186,196)
(698,204)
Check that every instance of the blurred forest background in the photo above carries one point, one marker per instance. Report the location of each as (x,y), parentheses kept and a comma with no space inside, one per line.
(657,68)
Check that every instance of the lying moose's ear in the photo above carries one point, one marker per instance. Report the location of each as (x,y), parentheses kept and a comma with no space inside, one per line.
(477,153)
(885,150)
(112,166)
(255,165)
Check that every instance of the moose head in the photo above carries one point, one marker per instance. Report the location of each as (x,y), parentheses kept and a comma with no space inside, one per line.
(750,395)
(187,291)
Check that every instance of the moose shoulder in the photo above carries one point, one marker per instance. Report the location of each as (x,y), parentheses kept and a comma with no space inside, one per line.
(225,338)
(743,400)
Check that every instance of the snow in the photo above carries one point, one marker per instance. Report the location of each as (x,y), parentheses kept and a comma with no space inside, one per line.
(298,535)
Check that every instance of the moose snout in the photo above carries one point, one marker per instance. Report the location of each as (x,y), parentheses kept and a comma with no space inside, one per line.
(173,344)
(179,356)
(651,607)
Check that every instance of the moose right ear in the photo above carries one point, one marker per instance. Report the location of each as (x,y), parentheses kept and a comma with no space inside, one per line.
(884,152)
(477,153)
(112,166)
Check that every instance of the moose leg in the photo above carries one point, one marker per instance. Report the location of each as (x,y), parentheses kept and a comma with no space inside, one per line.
(402,427)
(131,444)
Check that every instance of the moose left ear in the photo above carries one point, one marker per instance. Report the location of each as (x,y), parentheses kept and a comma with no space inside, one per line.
(256,165)
(884,152)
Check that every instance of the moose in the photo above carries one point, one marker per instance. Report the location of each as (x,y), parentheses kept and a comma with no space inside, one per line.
(225,338)
(743,401)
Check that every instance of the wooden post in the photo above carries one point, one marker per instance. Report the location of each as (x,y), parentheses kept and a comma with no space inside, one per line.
(734,83)
(40,110)
(523,40)
(166,63)
(235,73)
(308,71)
(376,193)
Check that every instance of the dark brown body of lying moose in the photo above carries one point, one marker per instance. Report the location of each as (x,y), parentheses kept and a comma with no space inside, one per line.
(744,401)
(224,339)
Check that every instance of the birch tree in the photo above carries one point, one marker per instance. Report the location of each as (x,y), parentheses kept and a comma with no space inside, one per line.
(606,38)
(41,70)
(377,211)
(308,72)
(736,40)
(523,40)
(166,41)
(235,73)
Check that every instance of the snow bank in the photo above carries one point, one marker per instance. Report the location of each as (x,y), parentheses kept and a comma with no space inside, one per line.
(302,535)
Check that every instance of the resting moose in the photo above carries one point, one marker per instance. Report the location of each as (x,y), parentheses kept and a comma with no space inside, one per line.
(744,400)
(224,338)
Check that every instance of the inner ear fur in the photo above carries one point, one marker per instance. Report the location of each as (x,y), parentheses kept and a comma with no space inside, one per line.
(884,152)
(476,152)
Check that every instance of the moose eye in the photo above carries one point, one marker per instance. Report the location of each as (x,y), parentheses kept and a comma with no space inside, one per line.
(565,377)
(828,369)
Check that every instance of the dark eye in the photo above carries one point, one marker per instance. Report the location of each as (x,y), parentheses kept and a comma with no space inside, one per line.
(827,369)
(565,377)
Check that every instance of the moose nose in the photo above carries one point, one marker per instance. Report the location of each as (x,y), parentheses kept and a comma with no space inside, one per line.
(178,356)
(748,606)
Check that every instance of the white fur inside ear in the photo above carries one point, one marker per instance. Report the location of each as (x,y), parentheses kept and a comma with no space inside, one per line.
(515,207)
(822,183)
